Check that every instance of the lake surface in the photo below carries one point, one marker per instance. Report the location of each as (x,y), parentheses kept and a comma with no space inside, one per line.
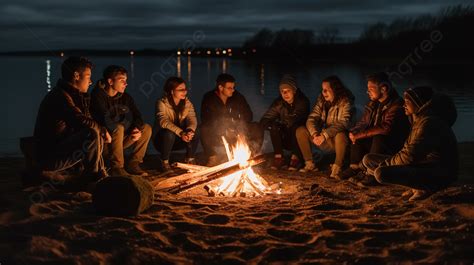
(26,80)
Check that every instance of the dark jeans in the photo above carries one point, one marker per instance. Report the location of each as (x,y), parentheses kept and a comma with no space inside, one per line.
(284,138)
(166,141)
(211,136)
(85,146)
(422,177)
(379,144)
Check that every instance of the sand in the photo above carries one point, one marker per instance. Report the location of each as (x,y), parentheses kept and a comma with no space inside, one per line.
(321,221)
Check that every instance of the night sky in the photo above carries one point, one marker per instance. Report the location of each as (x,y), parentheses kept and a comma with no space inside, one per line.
(120,24)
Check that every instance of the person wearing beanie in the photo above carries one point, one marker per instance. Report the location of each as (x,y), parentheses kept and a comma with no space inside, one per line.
(288,112)
(428,160)
(327,125)
(382,128)
(115,109)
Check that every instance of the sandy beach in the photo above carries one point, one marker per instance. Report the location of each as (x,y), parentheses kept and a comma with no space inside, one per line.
(322,221)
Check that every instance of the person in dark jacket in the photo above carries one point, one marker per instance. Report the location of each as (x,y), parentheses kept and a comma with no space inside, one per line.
(225,112)
(327,125)
(428,160)
(115,109)
(382,129)
(65,132)
(288,112)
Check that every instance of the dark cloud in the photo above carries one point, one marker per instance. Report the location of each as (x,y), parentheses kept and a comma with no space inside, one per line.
(53,24)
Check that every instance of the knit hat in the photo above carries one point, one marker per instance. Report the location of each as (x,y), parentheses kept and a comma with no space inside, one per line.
(289,80)
(419,95)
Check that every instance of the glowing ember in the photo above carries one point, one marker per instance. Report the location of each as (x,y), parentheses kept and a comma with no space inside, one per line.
(244,182)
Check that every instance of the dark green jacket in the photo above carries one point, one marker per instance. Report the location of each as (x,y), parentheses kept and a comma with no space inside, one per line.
(431,142)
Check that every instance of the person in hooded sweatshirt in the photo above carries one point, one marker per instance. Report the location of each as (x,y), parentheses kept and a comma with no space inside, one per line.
(115,109)
(288,112)
(328,124)
(428,160)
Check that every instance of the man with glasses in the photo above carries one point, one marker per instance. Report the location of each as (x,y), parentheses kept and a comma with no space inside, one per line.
(225,112)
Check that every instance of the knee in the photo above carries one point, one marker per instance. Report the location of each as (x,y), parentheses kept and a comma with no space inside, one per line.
(119,130)
(146,131)
(342,138)
(302,133)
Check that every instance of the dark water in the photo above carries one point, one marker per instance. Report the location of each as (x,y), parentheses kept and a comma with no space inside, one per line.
(27,79)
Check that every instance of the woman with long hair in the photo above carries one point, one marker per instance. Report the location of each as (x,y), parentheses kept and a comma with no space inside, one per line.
(175,122)
(327,125)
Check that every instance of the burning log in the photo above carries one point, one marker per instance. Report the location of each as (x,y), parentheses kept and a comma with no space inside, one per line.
(216,175)
(188,177)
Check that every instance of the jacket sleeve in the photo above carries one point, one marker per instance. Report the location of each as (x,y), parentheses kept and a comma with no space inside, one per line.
(191,119)
(343,122)
(271,115)
(98,109)
(363,122)
(164,120)
(301,113)
(76,117)
(418,144)
(392,115)
(313,124)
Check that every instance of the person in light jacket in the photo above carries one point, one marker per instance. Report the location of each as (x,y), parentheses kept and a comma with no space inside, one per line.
(175,122)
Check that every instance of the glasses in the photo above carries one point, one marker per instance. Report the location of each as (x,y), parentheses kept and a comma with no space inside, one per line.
(181,90)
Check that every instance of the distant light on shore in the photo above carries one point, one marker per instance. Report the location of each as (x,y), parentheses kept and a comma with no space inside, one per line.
(178,52)
(132,52)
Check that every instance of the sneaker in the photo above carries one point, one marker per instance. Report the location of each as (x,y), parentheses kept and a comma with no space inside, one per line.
(278,163)
(419,195)
(308,166)
(335,171)
(212,161)
(118,172)
(135,169)
(294,164)
(349,173)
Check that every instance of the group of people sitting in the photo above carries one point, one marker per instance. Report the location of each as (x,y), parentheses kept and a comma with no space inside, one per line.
(403,141)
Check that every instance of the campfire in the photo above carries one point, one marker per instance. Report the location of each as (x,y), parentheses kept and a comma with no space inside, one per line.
(234,178)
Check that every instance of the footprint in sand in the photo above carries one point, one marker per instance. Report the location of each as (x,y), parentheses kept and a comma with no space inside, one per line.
(289,235)
(253,251)
(335,225)
(216,219)
(282,219)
